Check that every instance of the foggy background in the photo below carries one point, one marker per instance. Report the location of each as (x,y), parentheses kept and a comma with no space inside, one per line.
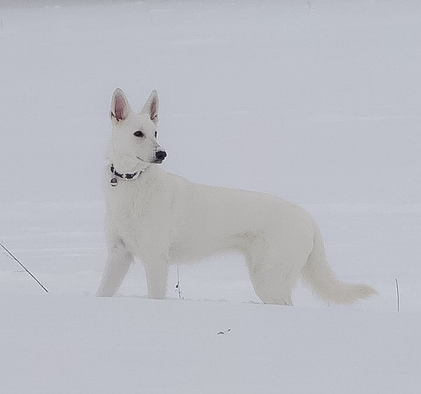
(315,102)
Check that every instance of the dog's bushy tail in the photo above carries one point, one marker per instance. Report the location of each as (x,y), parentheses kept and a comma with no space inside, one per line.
(323,281)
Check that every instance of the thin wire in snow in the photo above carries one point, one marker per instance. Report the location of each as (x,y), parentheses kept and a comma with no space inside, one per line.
(398,297)
(26,269)
(177,286)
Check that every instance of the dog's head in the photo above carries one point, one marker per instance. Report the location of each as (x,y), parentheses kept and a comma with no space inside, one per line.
(134,144)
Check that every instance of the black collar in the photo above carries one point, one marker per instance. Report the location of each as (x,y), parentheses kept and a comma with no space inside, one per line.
(133,175)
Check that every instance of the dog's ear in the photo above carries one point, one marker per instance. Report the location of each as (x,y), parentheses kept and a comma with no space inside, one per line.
(151,107)
(120,107)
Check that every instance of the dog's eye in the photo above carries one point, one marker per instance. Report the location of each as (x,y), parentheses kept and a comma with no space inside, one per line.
(156,134)
(138,134)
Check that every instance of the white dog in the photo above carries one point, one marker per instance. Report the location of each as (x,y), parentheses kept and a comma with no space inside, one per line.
(164,219)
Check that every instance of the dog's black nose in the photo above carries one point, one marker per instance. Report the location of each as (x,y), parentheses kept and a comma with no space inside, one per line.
(160,155)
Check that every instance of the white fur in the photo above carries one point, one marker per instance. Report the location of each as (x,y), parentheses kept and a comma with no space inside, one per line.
(164,219)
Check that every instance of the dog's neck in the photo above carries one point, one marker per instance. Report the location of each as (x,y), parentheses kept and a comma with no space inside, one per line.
(146,172)
(129,176)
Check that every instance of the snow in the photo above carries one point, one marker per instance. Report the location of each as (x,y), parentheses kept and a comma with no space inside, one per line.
(314,101)
(133,345)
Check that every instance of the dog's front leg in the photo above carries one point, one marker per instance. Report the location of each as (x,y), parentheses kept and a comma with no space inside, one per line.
(156,279)
(118,263)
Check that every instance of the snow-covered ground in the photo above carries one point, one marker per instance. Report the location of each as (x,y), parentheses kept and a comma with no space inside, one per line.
(315,101)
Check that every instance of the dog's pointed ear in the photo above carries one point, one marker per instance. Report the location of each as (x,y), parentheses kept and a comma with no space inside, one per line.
(120,107)
(151,107)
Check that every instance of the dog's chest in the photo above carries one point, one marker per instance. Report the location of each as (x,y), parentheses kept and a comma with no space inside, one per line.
(128,204)
(135,212)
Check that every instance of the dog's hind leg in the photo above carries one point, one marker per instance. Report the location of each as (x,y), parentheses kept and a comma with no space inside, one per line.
(156,279)
(118,263)
(274,270)
(272,285)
